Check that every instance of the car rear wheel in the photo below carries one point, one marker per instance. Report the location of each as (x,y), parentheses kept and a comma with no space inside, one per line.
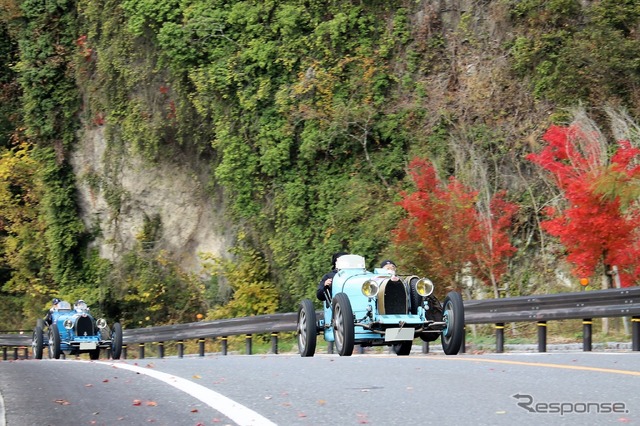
(116,341)
(343,328)
(38,342)
(54,342)
(307,331)
(453,316)
(403,348)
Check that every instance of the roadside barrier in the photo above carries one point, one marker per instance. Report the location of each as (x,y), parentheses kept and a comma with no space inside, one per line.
(540,309)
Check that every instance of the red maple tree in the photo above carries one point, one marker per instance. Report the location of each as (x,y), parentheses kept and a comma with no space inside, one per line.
(445,235)
(594,229)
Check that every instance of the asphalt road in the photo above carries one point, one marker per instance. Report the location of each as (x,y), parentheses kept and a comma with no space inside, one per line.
(491,389)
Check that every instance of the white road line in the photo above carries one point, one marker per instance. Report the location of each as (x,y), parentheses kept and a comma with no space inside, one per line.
(3,420)
(240,414)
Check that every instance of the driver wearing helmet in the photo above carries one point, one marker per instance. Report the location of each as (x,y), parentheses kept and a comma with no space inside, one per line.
(54,307)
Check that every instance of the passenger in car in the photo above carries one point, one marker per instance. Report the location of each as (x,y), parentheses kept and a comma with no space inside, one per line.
(325,282)
(388,265)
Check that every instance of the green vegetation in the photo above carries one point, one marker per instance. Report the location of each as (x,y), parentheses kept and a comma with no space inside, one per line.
(297,105)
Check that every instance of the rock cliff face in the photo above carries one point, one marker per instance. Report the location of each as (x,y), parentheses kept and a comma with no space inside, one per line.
(118,193)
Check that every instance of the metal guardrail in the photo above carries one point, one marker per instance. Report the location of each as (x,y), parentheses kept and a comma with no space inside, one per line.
(541,308)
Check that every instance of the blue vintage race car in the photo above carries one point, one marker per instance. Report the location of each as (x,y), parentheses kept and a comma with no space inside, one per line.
(75,331)
(377,309)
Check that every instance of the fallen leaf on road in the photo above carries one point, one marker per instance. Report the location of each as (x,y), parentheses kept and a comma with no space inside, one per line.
(62,402)
(137,402)
(152,403)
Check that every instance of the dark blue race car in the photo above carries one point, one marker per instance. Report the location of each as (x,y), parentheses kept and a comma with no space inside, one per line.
(74,331)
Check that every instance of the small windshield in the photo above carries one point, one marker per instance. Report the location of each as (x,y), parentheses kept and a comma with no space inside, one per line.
(63,305)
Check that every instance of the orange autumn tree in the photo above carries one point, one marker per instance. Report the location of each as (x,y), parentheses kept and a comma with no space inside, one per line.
(596,229)
(446,236)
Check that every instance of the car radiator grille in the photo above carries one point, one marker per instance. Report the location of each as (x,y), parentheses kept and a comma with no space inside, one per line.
(84,327)
(395,298)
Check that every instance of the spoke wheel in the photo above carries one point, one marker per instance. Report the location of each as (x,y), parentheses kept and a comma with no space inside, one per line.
(307,331)
(54,342)
(453,316)
(343,328)
(37,342)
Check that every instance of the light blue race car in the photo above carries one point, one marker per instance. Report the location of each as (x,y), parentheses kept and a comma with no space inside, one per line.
(73,331)
(380,309)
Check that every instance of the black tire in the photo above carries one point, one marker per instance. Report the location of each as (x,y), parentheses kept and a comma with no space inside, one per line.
(403,348)
(429,337)
(414,297)
(453,315)
(94,354)
(54,342)
(116,341)
(37,343)
(343,328)
(307,330)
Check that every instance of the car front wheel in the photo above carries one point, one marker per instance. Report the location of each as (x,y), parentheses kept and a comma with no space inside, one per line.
(453,316)
(116,341)
(307,332)
(37,343)
(343,328)
(54,341)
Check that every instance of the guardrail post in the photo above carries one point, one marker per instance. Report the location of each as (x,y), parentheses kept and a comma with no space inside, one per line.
(274,343)
(247,343)
(160,349)
(542,336)
(223,344)
(180,348)
(15,353)
(463,346)
(4,353)
(124,352)
(586,334)
(26,353)
(330,348)
(141,350)
(425,347)
(635,342)
(499,337)
(360,349)
(201,347)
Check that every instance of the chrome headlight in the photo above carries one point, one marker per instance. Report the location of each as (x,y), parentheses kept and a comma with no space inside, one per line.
(101,323)
(424,287)
(68,324)
(370,288)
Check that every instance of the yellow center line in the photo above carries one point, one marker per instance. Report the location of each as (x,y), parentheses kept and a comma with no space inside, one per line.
(544,364)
